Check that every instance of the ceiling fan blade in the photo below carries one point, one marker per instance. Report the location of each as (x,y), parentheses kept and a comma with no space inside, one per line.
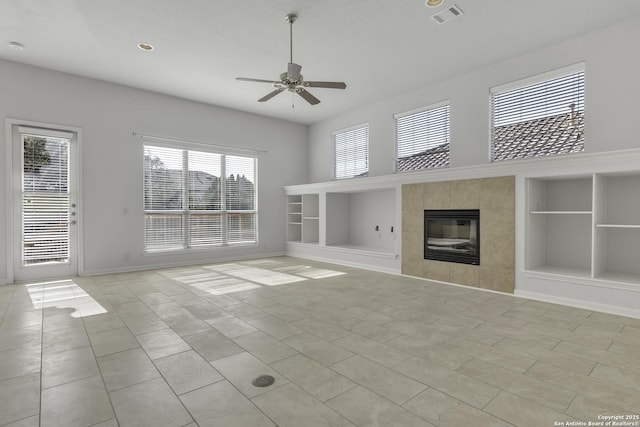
(245,79)
(293,71)
(331,85)
(270,95)
(308,97)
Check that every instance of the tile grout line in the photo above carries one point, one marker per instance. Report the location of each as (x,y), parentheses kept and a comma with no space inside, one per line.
(104,384)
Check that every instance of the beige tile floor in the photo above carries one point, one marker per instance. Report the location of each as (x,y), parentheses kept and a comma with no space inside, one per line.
(347,347)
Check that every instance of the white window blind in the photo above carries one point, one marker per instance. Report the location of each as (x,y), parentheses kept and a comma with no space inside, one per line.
(539,119)
(45,199)
(205,202)
(351,152)
(196,198)
(422,138)
(240,199)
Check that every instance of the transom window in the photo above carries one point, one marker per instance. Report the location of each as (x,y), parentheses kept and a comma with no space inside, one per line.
(198,199)
(422,138)
(539,117)
(351,152)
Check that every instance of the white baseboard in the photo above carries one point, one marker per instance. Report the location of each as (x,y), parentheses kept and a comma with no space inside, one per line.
(127,269)
(571,302)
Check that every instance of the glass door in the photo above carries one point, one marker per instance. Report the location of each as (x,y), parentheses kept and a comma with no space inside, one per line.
(45,214)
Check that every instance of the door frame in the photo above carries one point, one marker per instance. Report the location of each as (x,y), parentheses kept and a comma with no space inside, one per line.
(10,125)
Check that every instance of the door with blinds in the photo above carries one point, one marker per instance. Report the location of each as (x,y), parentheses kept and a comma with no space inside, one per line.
(44,204)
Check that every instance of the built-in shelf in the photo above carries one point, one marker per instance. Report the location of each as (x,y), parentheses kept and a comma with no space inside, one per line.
(560,212)
(357,226)
(562,271)
(584,226)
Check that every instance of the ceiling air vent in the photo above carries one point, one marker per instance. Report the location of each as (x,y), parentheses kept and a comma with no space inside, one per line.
(447,14)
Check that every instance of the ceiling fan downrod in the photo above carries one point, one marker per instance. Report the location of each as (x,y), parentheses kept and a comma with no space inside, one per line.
(291,18)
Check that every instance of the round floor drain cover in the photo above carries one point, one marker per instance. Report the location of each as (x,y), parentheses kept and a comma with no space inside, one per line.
(263,381)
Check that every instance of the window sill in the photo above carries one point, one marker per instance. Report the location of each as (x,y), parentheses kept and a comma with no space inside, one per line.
(200,249)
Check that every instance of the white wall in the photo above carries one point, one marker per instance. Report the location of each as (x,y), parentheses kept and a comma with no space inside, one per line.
(371,209)
(112,159)
(612,89)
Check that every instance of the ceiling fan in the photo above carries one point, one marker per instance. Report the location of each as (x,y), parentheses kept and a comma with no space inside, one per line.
(292,80)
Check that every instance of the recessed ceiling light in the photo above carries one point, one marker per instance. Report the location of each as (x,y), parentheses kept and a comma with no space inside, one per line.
(433,3)
(16,46)
(145,46)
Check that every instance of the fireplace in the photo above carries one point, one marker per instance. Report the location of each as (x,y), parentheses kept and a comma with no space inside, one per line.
(452,235)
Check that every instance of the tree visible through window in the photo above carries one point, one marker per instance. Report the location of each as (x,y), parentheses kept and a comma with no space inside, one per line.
(194,198)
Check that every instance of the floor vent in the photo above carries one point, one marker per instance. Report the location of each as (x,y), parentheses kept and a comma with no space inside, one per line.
(263,381)
(447,14)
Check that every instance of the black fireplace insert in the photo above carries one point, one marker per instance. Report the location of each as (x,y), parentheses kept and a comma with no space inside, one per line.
(452,235)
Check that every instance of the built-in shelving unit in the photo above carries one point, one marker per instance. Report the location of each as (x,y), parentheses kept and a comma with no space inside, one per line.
(352,226)
(302,218)
(310,218)
(617,227)
(560,225)
(585,226)
(294,218)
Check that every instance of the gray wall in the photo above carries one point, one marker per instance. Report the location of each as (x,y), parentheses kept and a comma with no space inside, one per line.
(112,159)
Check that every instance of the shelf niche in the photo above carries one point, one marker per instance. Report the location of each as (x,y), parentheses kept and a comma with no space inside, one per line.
(302,218)
(352,219)
(586,226)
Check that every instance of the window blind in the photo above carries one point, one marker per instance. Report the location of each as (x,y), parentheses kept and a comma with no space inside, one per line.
(546,117)
(196,198)
(45,199)
(351,152)
(164,198)
(422,138)
(205,202)
(240,199)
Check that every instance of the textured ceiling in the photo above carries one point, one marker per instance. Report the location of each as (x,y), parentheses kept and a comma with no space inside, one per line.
(380,48)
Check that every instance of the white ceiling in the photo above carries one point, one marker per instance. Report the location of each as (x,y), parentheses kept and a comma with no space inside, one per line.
(380,48)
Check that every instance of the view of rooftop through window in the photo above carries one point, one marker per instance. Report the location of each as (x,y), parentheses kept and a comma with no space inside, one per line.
(539,119)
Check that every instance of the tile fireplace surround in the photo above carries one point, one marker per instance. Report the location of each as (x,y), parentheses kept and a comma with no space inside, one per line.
(495,197)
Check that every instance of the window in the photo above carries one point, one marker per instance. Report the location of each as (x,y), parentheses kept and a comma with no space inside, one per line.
(422,138)
(351,152)
(543,117)
(198,199)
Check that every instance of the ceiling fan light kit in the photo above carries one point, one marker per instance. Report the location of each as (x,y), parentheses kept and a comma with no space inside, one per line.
(292,80)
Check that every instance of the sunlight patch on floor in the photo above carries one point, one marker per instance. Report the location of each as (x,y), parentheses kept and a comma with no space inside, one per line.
(216,284)
(64,294)
(311,272)
(256,274)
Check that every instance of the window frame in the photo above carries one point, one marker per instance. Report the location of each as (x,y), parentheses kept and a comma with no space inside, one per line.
(532,80)
(334,135)
(415,111)
(185,211)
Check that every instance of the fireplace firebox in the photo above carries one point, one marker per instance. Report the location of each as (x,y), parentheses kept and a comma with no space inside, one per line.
(452,235)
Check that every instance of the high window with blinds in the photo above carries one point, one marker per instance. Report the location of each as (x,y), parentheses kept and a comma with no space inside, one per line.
(422,138)
(539,118)
(351,152)
(198,199)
